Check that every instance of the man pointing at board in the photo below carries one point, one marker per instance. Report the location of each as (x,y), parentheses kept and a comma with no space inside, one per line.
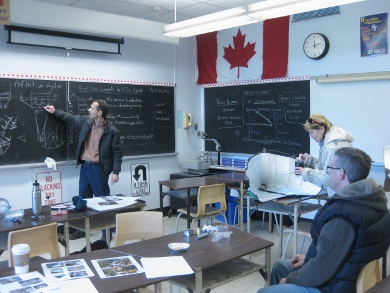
(99,150)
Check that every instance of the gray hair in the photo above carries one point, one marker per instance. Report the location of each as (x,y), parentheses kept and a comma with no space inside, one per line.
(355,162)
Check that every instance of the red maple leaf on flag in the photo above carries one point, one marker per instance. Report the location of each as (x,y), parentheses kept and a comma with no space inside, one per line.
(240,55)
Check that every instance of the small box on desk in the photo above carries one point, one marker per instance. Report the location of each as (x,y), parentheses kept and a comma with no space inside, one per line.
(59,210)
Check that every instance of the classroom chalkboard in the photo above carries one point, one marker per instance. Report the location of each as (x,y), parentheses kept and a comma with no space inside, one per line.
(252,118)
(144,114)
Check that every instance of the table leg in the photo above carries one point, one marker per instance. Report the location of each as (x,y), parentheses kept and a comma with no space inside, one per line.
(158,288)
(241,216)
(161,199)
(66,234)
(280,235)
(270,223)
(87,234)
(198,281)
(295,226)
(108,238)
(248,214)
(188,208)
(268,266)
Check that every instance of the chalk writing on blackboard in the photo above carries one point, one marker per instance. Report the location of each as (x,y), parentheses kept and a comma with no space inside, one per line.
(249,118)
(27,133)
(144,114)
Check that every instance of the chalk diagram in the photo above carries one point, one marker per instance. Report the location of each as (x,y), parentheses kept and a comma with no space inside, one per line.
(268,114)
(48,137)
(6,122)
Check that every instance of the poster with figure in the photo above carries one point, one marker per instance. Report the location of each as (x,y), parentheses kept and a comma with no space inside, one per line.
(374,35)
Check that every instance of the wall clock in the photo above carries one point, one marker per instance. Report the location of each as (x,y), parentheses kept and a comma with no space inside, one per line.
(316,46)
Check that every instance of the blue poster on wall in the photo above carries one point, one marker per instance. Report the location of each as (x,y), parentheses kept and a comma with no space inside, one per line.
(374,35)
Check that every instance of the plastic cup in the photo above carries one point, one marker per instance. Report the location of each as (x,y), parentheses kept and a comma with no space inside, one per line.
(21,257)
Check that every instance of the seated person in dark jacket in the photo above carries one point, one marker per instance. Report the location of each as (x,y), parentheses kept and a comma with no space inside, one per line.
(348,232)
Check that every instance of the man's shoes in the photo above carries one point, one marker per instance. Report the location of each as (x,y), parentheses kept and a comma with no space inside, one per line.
(77,235)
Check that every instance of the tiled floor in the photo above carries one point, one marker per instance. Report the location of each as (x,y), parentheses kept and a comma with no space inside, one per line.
(247,284)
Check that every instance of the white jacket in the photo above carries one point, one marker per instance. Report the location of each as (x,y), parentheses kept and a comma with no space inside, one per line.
(315,168)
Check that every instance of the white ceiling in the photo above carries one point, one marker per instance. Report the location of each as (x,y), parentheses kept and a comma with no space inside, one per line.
(144,9)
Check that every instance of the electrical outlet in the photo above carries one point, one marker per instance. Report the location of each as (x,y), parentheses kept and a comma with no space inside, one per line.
(196,126)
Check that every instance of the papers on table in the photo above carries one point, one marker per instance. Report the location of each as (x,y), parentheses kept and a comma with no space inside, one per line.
(165,266)
(30,282)
(71,286)
(105,203)
(117,266)
(66,270)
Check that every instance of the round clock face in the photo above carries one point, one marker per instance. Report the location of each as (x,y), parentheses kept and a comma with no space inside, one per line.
(316,46)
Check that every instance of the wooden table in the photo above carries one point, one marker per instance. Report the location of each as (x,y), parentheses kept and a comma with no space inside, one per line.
(195,182)
(98,220)
(185,184)
(79,220)
(208,257)
(294,205)
(28,222)
(107,285)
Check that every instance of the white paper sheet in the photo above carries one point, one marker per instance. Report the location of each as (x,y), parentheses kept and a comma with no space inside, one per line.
(165,266)
(105,203)
(72,286)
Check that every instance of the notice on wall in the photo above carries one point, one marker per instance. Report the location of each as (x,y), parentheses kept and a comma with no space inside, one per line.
(140,183)
(5,12)
(51,187)
(374,35)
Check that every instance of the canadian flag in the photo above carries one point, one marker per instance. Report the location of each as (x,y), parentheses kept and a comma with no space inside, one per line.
(251,52)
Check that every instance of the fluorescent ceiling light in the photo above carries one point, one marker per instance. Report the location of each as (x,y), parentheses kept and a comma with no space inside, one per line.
(209,23)
(244,15)
(353,77)
(278,8)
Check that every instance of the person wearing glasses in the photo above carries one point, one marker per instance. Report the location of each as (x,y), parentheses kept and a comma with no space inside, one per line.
(329,138)
(349,231)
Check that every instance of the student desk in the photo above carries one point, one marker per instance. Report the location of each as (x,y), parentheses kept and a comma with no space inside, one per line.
(195,182)
(107,285)
(294,205)
(214,263)
(81,220)
(27,222)
(98,220)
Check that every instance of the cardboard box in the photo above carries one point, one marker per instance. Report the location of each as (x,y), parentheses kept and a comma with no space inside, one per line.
(59,210)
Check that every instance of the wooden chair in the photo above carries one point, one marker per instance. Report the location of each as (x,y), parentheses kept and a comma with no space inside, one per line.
(138,225)
(369,276)
(42,239)
(207,195)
